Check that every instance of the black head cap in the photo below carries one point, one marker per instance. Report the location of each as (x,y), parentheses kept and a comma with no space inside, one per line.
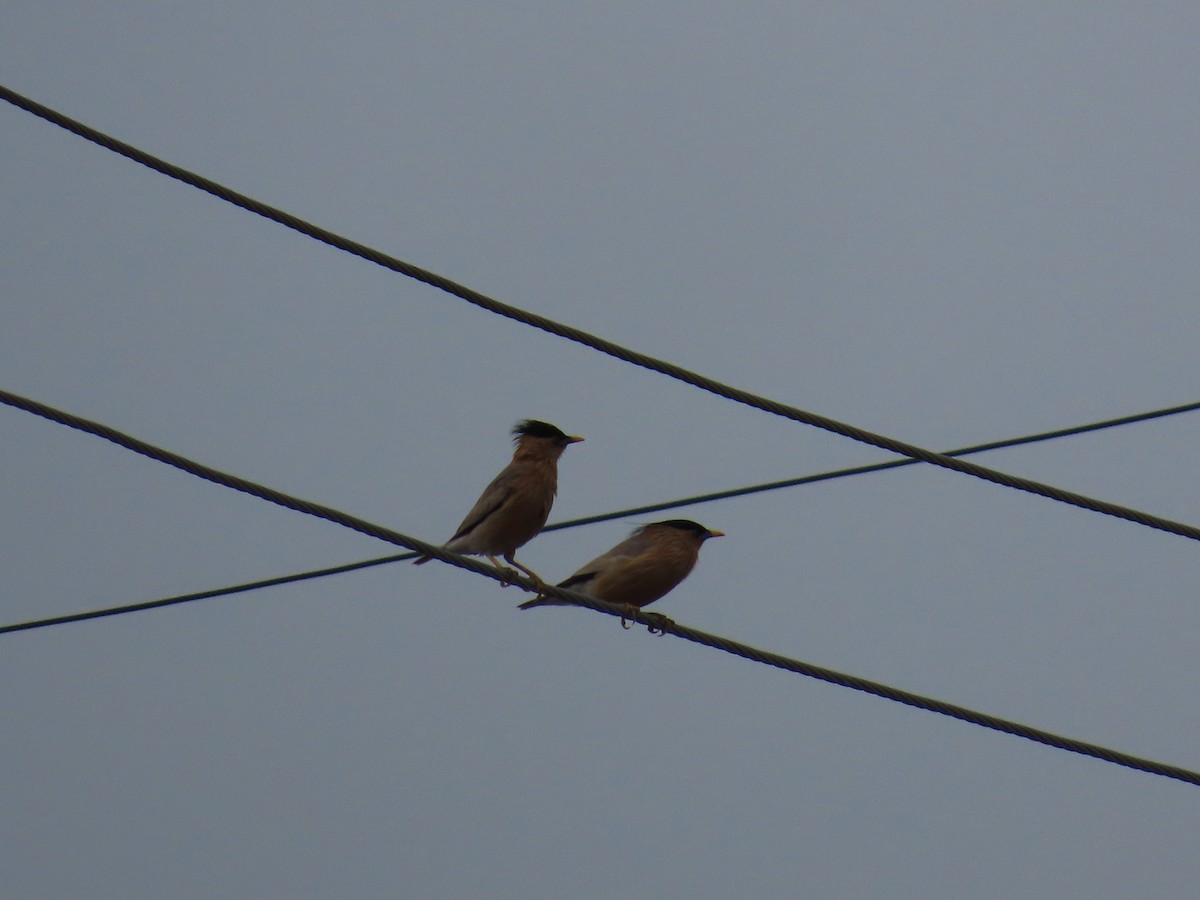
(534,428)
(693,528)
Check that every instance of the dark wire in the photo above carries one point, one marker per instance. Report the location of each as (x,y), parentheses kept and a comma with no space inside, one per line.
(874,467)
(602,517)
(201,595)
(659,623)
(589,340)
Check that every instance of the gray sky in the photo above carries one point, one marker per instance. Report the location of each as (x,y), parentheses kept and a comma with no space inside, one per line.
(945,222)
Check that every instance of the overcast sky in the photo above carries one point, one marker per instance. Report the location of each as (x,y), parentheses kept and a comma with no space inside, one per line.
(945,222)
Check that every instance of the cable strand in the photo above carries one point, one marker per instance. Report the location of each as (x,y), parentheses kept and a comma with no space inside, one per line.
(873,467)
(201,595)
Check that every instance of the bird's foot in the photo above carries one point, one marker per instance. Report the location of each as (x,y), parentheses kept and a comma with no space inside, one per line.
(533,576)
(630,613)
(660,623)
(505,572)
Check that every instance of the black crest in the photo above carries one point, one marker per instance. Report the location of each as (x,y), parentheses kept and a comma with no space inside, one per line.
(534,428)
(685,525)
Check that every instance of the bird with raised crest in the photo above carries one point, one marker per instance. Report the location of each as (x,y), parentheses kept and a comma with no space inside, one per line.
(515,506)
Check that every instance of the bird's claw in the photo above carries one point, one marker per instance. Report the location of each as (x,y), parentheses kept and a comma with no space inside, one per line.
(660,623)
(533,576)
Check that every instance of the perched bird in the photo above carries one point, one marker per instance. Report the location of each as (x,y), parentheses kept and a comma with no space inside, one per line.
(515,506)
(640,569)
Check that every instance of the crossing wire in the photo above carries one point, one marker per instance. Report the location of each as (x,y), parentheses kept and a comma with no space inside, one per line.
(602,345)
(199,595)
(593,519)
(874,467)
(663,625)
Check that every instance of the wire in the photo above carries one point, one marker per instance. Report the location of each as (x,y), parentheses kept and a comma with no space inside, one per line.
(200,595)
(579,336)
(937,706)
(601,517)
(659,623)
(233,481)
(874,467)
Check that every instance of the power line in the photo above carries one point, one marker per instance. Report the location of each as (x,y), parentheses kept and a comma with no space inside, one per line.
(200,595)
(601,517)
(233,481)
(579,336)
(665,626)
(873,467)
(940,707)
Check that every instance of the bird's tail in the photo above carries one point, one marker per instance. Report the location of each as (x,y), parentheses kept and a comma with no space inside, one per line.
(542,601)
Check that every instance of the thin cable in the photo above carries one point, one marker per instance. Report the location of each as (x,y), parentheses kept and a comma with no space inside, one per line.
(602,517)
(602,345)
(940,707)
(200,595)
(660,623)
(874,467)
(241,484)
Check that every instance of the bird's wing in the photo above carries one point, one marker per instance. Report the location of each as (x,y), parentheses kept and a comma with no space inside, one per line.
(493,497)
(578,579)
(634,545)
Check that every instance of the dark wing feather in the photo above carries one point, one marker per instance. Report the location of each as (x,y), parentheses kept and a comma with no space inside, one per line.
(577,579)
(495,496)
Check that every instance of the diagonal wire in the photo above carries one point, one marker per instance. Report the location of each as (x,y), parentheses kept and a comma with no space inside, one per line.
(660,623)
(200,595)
(875,467)
(1006,726)
(601,517)
(579,336)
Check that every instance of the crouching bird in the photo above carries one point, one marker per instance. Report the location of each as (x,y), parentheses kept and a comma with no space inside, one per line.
(640,569)
(515,506)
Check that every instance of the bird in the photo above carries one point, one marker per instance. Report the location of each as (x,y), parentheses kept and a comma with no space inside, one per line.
(515,506)
(653,560)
